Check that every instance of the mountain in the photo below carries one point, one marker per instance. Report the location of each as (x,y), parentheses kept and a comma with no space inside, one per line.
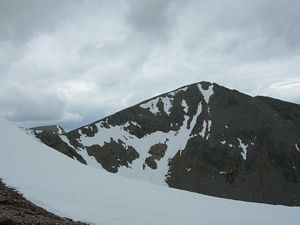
(203,138)
(70,189)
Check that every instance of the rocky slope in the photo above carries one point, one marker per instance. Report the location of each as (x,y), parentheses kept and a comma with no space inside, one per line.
(203,138)
(16,210)
(51,136)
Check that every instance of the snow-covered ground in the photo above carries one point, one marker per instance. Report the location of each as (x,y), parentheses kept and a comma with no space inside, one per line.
(69,188)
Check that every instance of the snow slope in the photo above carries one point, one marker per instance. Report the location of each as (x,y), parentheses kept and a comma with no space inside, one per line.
(175,140)
(68,188)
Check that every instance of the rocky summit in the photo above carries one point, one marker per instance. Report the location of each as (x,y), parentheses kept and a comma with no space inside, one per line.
(202,138)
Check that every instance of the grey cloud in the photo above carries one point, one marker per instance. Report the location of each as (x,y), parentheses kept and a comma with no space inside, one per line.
(152,18)
(21,104)
(19,20)
(74,62)
(260,29)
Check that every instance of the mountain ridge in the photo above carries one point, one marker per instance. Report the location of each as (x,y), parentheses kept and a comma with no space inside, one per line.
(203,138)
(69,189)
(164,93)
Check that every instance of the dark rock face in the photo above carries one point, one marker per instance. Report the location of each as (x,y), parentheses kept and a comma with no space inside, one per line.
(269,172)
(259,179)
(113,155)
(16,210)
(53,140)
(157,152)
(213,141)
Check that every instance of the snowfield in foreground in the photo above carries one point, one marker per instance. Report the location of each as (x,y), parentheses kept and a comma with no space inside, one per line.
(69,188)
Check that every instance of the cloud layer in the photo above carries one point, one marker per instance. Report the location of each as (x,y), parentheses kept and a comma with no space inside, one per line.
(74,62)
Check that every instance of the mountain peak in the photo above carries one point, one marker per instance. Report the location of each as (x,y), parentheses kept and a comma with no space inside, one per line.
(203,138)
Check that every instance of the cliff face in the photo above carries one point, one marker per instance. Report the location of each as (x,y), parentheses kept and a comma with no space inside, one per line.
(203,138)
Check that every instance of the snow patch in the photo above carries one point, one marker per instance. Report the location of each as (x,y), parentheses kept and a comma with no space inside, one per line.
(173,93)
(60,131)
(135,124)
(297,148)
(202,133)
(206,127)
(209,122)
(167,104)
(66,140)
(206,93)
(151,105)
(184,105)
(244,149)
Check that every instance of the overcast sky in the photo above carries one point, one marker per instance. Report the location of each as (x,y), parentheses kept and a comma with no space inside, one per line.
(73,62)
